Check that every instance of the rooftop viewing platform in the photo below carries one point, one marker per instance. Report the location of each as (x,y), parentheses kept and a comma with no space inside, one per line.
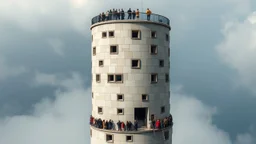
(130,16)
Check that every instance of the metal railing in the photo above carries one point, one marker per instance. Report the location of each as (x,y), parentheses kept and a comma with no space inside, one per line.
(129,16)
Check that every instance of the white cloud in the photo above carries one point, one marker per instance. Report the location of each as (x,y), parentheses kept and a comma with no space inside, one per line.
(238,49)
(8,71)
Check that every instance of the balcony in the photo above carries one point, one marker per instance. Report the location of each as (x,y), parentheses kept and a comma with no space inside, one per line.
(125,18)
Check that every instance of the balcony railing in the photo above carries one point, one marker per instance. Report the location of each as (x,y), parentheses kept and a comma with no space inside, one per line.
(129,16)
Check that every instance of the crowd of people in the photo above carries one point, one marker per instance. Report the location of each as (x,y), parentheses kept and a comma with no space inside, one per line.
(129,126)
(119,14)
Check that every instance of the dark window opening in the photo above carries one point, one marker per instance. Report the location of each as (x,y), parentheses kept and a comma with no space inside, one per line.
(153,49)
(120,97)
(140,114)
(153,34)
(167,78)
(169,52)
(129,139)
(100,110)
(161,63)
(144,97)
(91,132)
(113,49)
(97,78)
(94,50)
(152,117)
(162,109)
(119,78)
(167,37)
(101,63)
(92,95)
(120,111)
(136,34)
(104,34)
(109,138)
(111,34)
(136,64)
(111,78)
(153,78)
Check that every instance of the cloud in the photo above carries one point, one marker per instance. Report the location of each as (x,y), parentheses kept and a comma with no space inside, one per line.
(238,49)
(57,45)
(8,71)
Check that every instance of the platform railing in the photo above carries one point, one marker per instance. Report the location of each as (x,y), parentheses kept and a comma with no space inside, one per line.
(129,16)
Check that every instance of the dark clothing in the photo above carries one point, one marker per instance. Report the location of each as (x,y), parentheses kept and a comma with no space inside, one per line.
(129,14)
(133,14)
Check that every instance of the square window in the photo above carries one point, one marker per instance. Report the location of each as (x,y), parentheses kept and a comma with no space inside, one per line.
(109,138)
(120,97)
(144,97)
(101,63)
(111,78)
(167,78)
(153,49)
(162,109)
(166,135)
(100,110)
(129,138)
(97,77)
(104,34)
(136,34)
(111,34)
(153,34)
(94,50)
(120,111)
(136,64)
(161,63)
(119,78)
(154,78)
(167,37)
(113,49)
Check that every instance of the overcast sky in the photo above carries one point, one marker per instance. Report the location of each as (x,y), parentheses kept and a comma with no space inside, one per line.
(45,69)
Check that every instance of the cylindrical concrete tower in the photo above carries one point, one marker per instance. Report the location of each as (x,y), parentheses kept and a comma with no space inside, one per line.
(130,80)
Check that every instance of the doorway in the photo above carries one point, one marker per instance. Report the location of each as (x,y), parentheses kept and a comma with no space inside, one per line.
(140,114)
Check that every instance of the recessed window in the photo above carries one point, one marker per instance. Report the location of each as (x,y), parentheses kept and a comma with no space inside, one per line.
(111,34)
(169,52)
(119,78)
(109,138)
(104,34)
(101,63)
(98,78)
(92,95)
(166,135)
(115,78)
(136,34)
(167,37)
(91,132)
(100,110)
(113,49)
(153,49)
(144,97)
(162,109)
(129,138)
(161,63)
(92,37)
(94,50)
(120,111)
(154,78)
(136,64)
(153,34)
(167,78)
(120,97)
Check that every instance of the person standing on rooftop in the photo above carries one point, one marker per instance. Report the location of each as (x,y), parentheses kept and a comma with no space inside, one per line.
(137,14)
(148,12)
(129,13)
(133,14)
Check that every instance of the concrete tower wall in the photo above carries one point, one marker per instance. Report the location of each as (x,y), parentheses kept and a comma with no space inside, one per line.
(135,81)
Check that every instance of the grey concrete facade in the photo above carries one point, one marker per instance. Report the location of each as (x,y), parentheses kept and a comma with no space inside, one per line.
(119,86)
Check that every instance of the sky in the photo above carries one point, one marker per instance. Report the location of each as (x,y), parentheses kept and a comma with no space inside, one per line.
(45,74)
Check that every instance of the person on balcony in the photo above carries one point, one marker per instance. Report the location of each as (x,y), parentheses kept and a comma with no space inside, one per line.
(133,14)
(110,15)
(148,12)
(119,125)
(107,14)
(122,126)
(99,18)
(122,14)
(136,125)
(129,13)
(103,16)
(137,14)
(158,124)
